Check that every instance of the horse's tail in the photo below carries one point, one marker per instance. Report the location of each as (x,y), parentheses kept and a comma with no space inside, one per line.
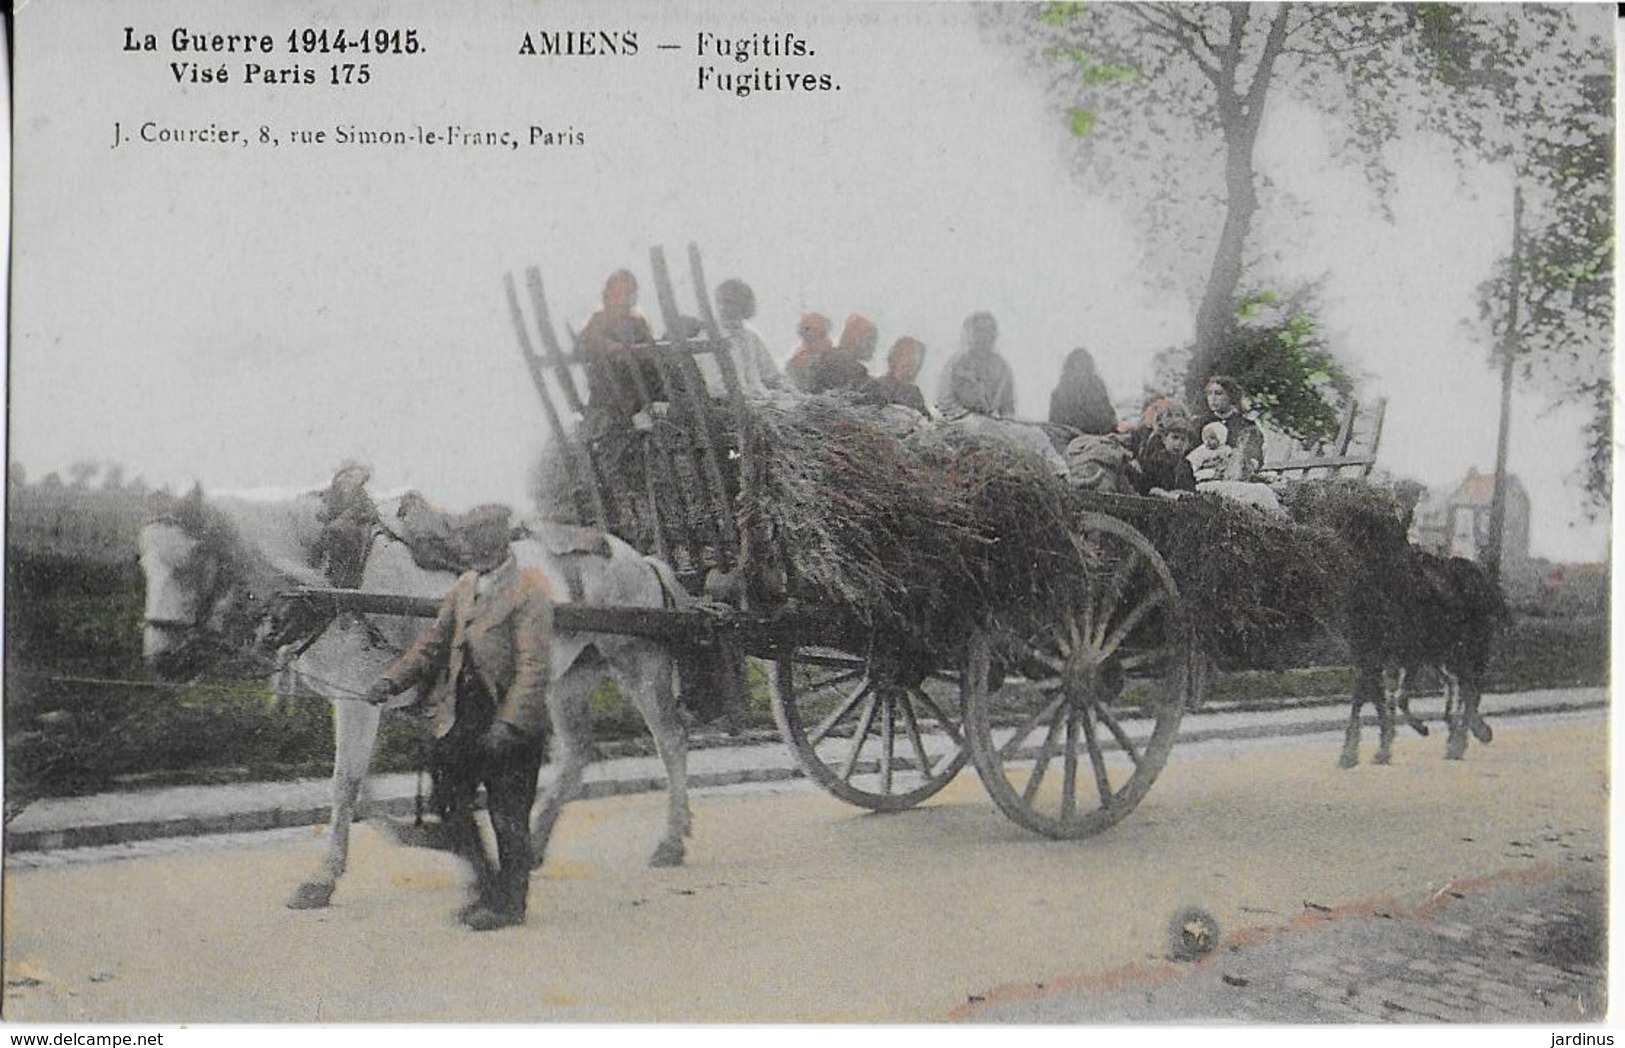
(676,595)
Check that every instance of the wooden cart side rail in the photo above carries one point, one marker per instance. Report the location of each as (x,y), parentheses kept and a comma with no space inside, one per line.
(1353,452)
(663,624)
(683,382)
(682,508)
(586,484)
(1130,508)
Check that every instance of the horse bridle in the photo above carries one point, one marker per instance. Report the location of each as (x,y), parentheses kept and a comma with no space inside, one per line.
(199,633)
(206,603)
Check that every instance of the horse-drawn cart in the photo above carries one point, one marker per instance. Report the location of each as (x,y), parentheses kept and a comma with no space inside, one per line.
(1068,720)
(1058,653)
(921,596)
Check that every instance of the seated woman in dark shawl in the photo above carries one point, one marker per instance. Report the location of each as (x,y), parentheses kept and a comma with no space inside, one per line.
(1080,399)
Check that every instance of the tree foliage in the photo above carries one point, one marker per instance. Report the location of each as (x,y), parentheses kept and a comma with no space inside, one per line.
(1550,119)
(1277,351)
(1166,101)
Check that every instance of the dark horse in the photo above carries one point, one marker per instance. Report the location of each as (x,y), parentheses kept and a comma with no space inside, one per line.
(1406,609)
(1426,610)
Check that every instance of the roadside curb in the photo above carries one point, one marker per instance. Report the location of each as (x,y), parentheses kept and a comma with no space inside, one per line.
(122,818)
(392,803)
(1318,727)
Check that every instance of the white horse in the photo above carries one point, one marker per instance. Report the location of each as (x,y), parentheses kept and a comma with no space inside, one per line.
(213,569)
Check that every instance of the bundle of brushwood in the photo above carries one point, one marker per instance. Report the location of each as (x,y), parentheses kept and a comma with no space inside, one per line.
(1259,591)
(1368,520)
(913,534)
(1269,593)
(920,535)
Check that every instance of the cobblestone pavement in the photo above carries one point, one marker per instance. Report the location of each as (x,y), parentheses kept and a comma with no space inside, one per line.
(1529,948)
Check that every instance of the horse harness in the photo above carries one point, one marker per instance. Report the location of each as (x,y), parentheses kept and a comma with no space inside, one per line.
(305,638)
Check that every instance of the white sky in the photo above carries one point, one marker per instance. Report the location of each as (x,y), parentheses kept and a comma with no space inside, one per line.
(250,317)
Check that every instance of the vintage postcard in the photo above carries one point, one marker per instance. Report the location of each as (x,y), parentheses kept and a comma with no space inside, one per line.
(1039,514)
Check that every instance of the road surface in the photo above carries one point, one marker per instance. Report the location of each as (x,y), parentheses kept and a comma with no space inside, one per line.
(796,908)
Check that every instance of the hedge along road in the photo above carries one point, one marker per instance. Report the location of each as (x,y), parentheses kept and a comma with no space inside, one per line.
(795,907)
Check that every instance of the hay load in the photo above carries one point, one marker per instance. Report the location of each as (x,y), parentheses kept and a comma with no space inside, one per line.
(924,534)
(919,535)
(1258,588)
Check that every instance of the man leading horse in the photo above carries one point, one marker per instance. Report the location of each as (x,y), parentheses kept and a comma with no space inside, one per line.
(481,670)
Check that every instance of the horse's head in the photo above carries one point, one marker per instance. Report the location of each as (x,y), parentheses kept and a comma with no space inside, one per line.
(206,597)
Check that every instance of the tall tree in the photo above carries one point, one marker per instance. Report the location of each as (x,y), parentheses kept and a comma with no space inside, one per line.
(1549,306)
(1167,101)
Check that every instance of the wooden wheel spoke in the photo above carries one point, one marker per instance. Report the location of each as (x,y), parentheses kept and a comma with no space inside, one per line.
(1041,765)
(1085,626)
(1126,743)
(814,686)
(1098,761)
(1069,768)
(888,714)
(936,711)
(821,732)
(1047,710)
(1122,571)
(1150,657)
(861,736)
(1056,664)
(823,657)
(912,730)
(1151,600)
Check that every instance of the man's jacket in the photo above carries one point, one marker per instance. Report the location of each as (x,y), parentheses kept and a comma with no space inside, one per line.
(505,635)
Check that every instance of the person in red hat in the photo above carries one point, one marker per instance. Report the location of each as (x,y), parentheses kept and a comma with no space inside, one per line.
(808,356)
(613,396)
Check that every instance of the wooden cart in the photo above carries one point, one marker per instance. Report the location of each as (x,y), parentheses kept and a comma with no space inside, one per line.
(1068,725)
(1068,728)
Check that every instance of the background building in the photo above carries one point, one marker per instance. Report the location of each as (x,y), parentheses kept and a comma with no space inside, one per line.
(1458,522)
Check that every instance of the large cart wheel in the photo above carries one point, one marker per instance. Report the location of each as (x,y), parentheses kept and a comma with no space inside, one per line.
(872,732)
(1081,718)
